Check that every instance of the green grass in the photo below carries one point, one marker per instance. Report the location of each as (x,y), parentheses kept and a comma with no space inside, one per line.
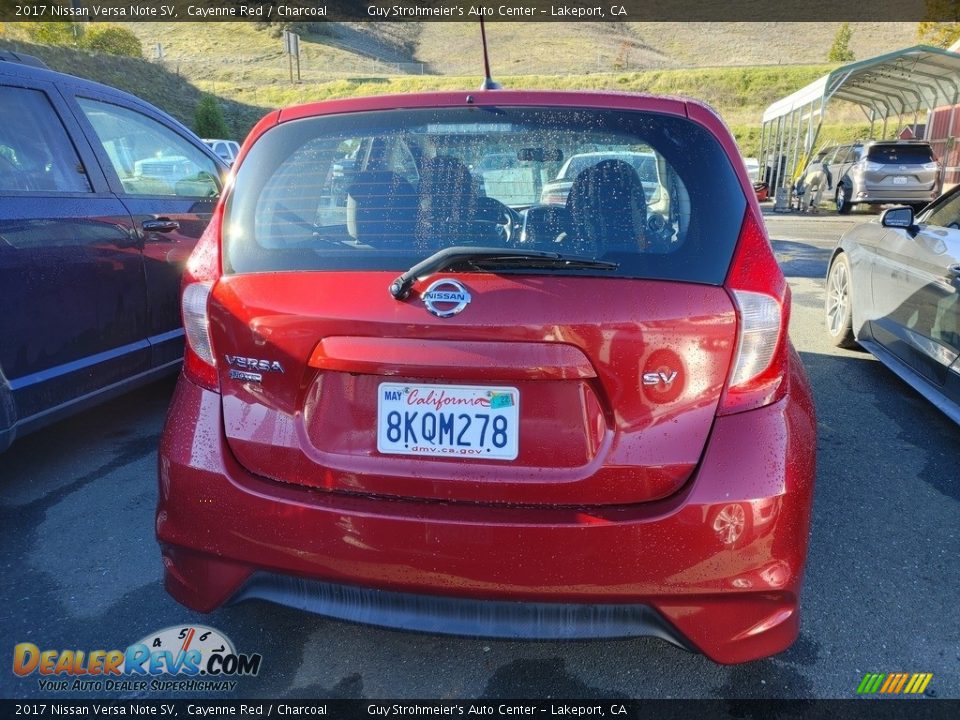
(739,94)
(153,83)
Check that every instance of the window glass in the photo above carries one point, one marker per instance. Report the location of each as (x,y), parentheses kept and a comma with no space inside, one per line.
(36,154)
(382,190)
(901,154)
(840,155)
(946,213)
(149,158)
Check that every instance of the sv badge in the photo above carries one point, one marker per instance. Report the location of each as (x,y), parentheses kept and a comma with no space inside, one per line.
(659,378)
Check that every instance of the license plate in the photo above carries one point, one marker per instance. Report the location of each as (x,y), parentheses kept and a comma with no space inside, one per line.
(900,180)
(455,421)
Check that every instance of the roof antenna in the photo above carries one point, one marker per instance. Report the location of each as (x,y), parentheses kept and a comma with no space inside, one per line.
(488,82)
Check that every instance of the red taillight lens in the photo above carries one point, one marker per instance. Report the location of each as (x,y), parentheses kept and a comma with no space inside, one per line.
(202,273)
(758,375)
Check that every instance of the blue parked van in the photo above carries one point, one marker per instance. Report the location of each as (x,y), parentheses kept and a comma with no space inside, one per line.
(102,198)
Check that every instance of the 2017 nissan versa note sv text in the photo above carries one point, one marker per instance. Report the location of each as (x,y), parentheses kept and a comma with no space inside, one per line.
(407,403)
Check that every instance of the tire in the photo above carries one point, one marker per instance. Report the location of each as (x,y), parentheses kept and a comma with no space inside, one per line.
(842,199)
(838,304)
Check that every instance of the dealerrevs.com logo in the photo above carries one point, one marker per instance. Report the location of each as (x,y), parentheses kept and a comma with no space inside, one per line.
(199,658)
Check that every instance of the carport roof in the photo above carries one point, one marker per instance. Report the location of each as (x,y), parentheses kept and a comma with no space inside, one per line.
(914,79)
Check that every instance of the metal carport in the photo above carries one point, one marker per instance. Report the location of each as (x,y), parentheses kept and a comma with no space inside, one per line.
(888,87)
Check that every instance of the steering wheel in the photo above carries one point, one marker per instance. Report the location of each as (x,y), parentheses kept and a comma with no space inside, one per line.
(505,218)
(659,233)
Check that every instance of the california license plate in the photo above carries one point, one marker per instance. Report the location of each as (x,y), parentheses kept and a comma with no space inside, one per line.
(899,179)
(461,421)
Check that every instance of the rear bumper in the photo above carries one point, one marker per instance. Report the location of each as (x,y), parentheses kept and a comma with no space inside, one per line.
(717,567)
(894,194)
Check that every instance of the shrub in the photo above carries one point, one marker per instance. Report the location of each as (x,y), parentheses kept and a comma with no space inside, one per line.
(840,51)
(112,39)
(208,119)
(52,33)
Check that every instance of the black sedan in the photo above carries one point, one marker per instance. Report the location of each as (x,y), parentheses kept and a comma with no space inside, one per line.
(892,288)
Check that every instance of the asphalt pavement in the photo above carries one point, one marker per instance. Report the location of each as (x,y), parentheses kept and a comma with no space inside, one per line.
(81,568)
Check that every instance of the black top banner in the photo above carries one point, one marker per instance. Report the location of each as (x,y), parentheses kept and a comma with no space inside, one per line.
(515,709)
(281,11)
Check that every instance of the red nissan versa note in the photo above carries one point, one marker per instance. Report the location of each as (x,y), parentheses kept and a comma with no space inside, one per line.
(414,396)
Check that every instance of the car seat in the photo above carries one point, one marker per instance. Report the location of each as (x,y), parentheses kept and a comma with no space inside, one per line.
(608,209)
(447,204)
(381,209)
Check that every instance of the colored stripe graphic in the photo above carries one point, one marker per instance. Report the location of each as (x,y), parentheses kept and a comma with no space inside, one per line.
(894,683)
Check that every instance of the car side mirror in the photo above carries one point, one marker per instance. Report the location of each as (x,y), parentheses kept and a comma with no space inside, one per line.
(897,217)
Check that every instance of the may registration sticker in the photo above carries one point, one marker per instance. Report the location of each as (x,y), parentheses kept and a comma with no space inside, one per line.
(462,421)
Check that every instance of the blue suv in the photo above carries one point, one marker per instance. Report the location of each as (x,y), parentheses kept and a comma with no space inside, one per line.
(102,198)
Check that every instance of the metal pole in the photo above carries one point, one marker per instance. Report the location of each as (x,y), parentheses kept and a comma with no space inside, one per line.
(795,155)
(781,138)
(786,147)
(761,173)
(948,150)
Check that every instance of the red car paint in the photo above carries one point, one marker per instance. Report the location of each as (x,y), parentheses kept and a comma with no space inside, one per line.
(691,498)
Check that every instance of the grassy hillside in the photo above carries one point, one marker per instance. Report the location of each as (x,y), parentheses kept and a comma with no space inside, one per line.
(244,67)
(169,91)
(739,94)
(246,52)
(769,43)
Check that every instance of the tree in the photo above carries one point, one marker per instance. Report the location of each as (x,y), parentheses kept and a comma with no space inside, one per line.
(208,119)
(112,39)
(840,51)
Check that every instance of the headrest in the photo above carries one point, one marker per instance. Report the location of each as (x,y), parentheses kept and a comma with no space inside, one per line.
(381,208)
(608,208)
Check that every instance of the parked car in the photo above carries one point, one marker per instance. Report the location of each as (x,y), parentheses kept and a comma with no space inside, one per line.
(876,172)
(753,168)
(102,199)
(643,162)
(892,287)
(448,414)
(226,150)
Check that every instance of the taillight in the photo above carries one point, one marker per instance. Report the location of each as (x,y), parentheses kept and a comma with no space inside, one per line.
(202,272)
(758,374)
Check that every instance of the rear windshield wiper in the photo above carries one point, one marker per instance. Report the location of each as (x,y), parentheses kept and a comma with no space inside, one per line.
(490,256)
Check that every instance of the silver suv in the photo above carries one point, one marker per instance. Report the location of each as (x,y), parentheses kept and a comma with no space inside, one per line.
(875,172)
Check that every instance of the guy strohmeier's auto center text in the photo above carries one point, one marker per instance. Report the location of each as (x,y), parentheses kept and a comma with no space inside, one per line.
(111,10)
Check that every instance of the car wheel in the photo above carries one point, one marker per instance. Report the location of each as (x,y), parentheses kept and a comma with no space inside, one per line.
(839,304)
(843,199)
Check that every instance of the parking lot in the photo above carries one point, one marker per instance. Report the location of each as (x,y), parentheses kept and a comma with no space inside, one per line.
(81,568)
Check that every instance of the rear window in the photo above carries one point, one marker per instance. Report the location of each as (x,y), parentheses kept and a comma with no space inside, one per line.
(383,190)
(900,154)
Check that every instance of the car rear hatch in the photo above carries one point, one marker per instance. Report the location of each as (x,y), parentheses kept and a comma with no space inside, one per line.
(530,382)
(900,166)
(602,402)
